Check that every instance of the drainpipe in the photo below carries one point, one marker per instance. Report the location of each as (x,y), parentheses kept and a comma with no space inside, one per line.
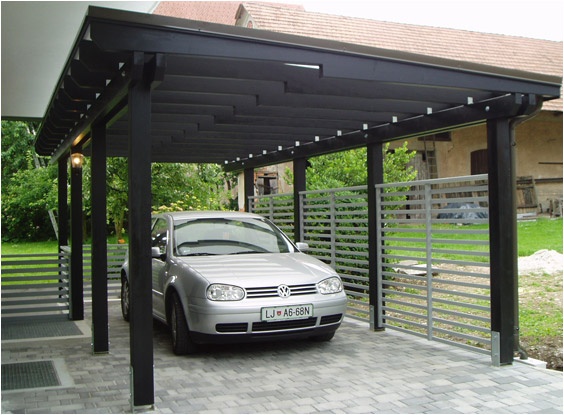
(528,103)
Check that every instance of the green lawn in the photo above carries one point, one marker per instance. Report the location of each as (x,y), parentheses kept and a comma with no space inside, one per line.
(540,234)
(9,248)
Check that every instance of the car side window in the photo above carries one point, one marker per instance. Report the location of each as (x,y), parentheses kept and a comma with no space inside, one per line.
(159,235)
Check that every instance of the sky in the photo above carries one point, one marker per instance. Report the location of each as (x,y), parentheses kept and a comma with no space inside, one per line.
(541,19)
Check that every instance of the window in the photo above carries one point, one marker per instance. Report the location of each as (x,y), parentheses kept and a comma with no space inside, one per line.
(479,162)
(159,235)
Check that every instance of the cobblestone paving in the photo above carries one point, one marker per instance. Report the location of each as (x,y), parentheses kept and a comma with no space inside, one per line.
(357,372)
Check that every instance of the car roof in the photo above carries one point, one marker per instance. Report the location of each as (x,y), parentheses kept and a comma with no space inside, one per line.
(210,214)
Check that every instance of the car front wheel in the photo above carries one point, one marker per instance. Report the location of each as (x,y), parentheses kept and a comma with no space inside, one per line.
(125,296)
(181,342)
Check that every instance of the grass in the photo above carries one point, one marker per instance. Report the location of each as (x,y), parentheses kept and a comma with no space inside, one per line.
(47,247)
(543,233)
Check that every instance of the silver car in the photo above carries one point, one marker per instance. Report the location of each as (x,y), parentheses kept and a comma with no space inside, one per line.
(230,276)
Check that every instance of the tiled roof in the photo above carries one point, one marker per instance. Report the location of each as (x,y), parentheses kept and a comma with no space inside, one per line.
(222,12)
(513,52)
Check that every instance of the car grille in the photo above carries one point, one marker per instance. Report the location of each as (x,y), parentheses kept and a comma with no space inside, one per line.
(284,325)
(265,292)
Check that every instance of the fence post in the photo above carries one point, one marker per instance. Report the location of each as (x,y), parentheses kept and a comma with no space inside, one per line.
(333,229)
(429,260)
(301,207)
(271,207)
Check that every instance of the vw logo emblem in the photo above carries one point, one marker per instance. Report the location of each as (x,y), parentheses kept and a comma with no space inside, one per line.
(283,291)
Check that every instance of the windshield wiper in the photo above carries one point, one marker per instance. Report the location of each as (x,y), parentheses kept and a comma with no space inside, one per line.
(249,252)
(199,254)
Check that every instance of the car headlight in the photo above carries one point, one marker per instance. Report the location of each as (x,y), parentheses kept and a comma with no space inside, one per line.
(222,292)
(330,286)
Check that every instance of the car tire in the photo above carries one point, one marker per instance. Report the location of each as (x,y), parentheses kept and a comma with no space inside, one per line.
(125,298)
(181,342)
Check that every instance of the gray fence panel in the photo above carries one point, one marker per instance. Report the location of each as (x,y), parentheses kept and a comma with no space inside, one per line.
(433,272)
(36,285)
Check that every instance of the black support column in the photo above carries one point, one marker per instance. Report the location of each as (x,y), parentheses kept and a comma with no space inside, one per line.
(375,166)
(63,208)
(300,166)
(503,239)
(249,186)
(76,311)
(100,338)
(141,320)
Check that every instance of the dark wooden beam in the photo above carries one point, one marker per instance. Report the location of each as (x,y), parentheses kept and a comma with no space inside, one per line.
(144,74)
(433,123)
(76,311)
(375,168)
(100,335)
(300,167)
(249,186)
(62,207)
(503,239)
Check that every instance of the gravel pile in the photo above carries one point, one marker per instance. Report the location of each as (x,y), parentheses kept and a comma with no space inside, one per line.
(543,261)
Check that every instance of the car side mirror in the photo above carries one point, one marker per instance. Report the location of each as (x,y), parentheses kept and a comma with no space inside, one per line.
(156,253)
(302,246)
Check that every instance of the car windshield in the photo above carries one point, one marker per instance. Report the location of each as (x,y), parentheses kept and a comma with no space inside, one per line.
(221,236)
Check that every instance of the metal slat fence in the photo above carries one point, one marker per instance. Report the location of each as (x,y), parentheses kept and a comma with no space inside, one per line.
(279,208)
(116,256)
(433,269)
(36,285)
(335,225)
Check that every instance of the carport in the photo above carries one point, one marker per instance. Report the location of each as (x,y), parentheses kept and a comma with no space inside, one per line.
(158,89)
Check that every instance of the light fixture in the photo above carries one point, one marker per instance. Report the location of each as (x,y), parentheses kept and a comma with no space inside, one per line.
(76,160)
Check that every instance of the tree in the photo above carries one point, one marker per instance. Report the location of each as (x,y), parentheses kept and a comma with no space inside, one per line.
(28,193)
(205,188)
(29,185)
(348,168)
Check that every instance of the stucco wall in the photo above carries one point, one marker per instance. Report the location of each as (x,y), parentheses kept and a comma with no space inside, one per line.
(538,153)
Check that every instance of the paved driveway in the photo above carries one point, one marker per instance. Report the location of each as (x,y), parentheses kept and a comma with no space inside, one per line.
(358,372)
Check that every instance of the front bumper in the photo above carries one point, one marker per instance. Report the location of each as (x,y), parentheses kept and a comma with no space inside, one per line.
(214,322)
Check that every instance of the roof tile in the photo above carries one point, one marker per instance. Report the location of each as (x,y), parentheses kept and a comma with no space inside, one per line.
(512,52)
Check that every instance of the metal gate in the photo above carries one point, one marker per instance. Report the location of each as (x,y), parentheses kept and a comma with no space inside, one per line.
(433,270)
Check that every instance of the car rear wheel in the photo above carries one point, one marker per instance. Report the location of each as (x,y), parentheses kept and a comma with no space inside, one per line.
(181,342)
(125,296)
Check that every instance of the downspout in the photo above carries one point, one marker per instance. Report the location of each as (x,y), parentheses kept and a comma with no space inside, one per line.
(530,108)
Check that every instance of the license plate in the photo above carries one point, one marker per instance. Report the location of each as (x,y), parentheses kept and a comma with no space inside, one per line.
(290,312)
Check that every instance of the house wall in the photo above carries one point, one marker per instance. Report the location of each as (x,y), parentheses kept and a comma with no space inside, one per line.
(538,154)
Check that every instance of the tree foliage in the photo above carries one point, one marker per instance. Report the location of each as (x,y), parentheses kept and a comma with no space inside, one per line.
(348,168)
(28,191)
